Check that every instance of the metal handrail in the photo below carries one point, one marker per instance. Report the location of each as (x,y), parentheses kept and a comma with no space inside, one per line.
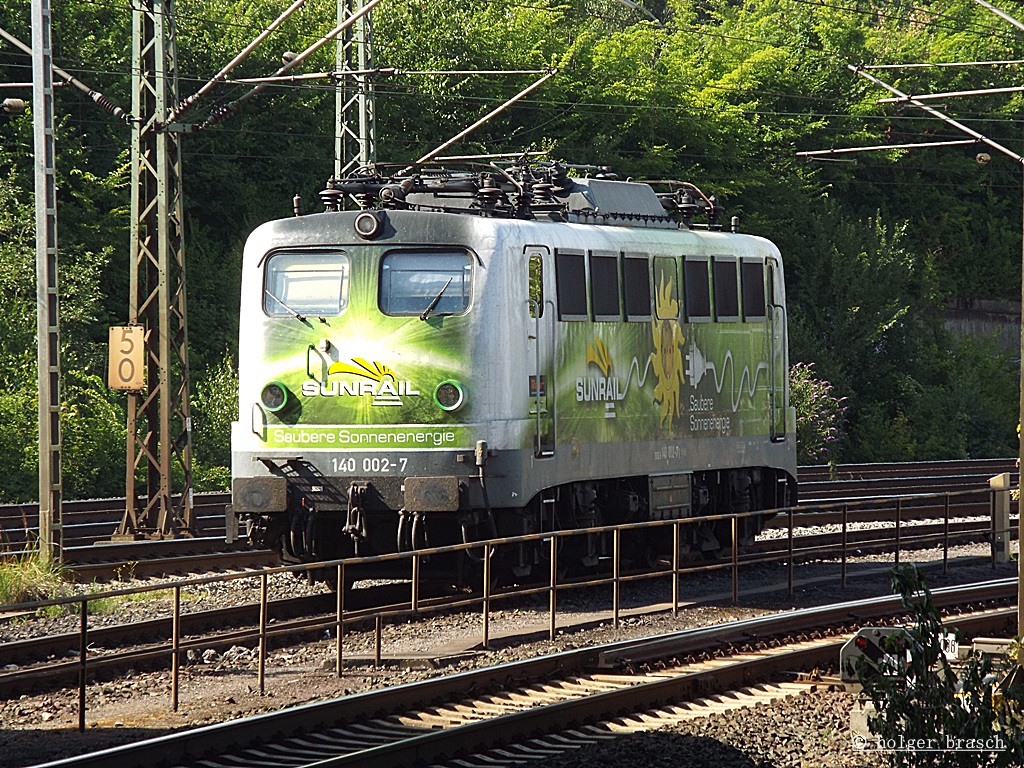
(488,597)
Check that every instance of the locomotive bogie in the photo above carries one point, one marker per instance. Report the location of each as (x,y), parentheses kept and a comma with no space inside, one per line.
(453,377)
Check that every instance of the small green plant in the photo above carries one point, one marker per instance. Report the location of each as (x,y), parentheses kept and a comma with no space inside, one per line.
(932,713)
(125,571)
(29,578)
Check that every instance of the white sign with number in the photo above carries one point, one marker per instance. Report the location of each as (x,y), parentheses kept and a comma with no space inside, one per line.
(126,358)
(950,646)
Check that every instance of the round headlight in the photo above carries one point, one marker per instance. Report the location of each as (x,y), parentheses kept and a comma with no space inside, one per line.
(449,395)
(368,225)
(274,396)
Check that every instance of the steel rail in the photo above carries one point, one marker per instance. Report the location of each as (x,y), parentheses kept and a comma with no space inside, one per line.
(300,729)
(90,521)
(789,549)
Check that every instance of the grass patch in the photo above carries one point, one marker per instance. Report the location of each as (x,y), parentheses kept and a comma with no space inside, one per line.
(29,578)
(107,606)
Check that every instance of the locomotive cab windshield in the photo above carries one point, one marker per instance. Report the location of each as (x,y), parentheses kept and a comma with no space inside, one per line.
(424,283)
(306,283)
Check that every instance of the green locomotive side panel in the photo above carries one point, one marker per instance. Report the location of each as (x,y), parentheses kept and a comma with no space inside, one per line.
(663,379)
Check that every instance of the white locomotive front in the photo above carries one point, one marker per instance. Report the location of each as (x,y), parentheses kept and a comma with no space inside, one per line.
(496,354)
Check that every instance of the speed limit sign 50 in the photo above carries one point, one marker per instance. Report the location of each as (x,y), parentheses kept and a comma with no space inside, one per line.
(126,358)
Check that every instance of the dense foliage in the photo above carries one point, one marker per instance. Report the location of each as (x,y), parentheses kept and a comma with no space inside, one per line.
(723,94)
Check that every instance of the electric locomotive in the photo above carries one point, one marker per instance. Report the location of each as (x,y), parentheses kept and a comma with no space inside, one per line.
(507,351)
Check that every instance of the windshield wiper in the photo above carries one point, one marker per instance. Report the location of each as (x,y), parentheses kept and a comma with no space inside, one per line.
(430,307)
(300,318)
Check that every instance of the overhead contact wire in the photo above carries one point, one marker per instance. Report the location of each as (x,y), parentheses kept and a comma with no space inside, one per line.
(188,103)
(223,113)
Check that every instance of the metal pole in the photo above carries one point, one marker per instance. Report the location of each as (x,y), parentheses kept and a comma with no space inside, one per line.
(263,634)
(790,585)
(175,646)
(554,583)
(355,140)
(47,304)
(378,631)
(899,507)
(1020,414)
(735,562)
(1020,456)
(159,423)
(846,520)
(342,63)
(82,663)
(945,537)
(339,665)
(675,569)
(415,583)
(487,595)
(616,572)
(992,525)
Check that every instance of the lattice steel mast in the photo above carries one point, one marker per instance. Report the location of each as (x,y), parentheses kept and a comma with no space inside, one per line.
(355,133)
(159,423)
(47,300)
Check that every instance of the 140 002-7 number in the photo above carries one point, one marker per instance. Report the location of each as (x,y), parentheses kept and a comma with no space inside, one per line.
(370,464)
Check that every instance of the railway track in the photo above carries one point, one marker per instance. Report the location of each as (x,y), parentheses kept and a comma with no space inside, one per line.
(88,524)
(548,704)
(821,484)
(147,641)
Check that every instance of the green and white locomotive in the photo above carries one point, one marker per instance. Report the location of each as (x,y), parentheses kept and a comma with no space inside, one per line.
(510,351)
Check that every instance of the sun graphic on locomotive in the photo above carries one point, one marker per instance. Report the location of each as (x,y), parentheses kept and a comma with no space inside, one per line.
(668,357)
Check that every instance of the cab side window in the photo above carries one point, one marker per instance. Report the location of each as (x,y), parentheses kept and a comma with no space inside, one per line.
(571,284)
(698,289)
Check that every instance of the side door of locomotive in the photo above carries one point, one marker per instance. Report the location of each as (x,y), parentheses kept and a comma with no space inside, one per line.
(541,347)
(778,363)
(757,293)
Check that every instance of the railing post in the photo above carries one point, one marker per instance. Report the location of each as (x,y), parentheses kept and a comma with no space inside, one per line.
(945,538)
(415,584)
(675,568)
(616,572)
(554,582)
(487,596)
(83,652)
(339,664)
(175,646)
(735,560)
(846,521)
(992,523)
(790,544)
(378,632)
(899,516)
(263,635)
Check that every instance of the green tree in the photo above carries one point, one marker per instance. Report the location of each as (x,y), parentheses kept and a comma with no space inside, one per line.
(214,407)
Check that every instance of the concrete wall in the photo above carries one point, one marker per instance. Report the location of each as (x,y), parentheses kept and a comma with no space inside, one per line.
(982,318)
